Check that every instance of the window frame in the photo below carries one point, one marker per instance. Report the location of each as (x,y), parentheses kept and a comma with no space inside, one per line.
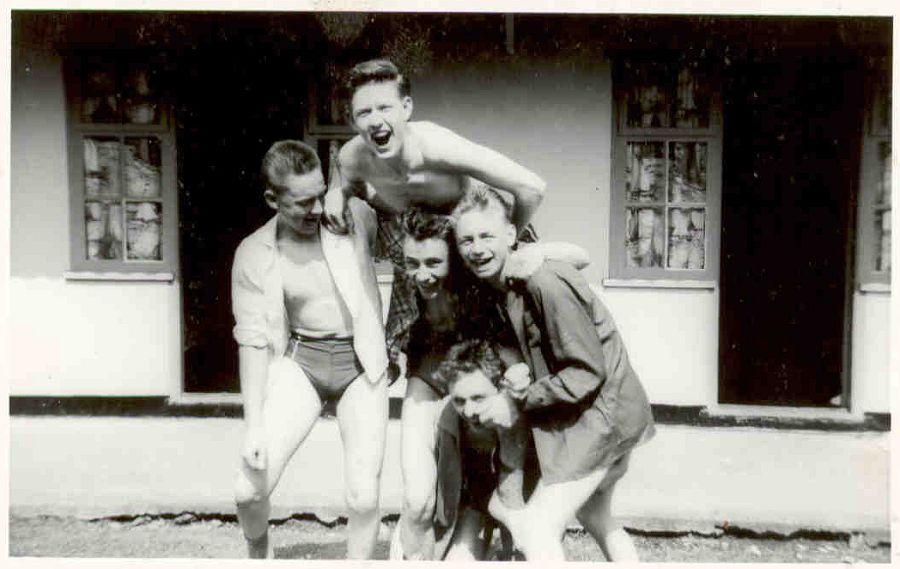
(621,136)
(873,136)
(77,131)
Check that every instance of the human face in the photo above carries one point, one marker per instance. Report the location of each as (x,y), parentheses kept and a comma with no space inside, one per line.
(379,114)
(484,239)
(299,204)
(427,263)
(468,393)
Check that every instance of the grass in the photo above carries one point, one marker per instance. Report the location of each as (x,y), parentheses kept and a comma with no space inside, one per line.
(145,537)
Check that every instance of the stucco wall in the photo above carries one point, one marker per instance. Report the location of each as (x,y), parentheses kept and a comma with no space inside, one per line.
(870,360)
(72,338)
(553,116)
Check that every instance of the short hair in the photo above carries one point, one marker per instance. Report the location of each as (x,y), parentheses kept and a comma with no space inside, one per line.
(469,356)
(421,225)
(287,157)
(481,197)
(376,71)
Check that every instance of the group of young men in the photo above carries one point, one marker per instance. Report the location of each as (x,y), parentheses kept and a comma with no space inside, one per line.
(309,318)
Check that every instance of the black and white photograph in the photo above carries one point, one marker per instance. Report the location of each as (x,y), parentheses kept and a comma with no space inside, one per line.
(450,286)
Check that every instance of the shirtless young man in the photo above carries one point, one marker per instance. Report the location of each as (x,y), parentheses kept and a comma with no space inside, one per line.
(309,330)
(393,164)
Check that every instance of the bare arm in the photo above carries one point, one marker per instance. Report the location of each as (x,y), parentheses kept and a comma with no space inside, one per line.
(344,182)
(445,150)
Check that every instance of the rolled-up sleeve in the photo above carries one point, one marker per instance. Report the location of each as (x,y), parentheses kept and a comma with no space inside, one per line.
(577,368)
(248,298)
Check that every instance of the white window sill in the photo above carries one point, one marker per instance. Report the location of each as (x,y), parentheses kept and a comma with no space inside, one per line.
(839,414)
(668,283)
(875,287)
(113,276)
(207,399)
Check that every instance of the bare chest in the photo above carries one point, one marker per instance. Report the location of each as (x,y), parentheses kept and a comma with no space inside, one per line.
(304,273)
(430,188)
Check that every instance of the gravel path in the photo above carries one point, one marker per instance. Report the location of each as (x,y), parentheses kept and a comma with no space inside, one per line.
(188,537)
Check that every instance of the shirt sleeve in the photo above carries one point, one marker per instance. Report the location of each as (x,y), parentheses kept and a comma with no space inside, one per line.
(248,298)
(575,357)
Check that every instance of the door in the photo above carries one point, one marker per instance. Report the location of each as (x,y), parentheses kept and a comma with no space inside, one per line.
(790,171)
(233,104)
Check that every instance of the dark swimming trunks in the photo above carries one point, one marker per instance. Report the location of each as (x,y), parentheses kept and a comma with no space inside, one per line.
(330,363)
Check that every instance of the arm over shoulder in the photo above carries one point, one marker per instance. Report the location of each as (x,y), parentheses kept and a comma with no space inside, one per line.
(556,295)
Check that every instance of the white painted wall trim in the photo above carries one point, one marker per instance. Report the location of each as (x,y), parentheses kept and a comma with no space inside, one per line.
(104,276)
(884,288)
(666,283)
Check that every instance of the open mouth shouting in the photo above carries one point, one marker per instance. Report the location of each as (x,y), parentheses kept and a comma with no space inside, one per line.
(381,138)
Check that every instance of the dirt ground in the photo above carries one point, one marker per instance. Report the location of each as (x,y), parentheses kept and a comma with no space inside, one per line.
(189,537)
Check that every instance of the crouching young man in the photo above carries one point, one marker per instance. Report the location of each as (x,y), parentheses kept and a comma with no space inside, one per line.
(474,458)
(309,331)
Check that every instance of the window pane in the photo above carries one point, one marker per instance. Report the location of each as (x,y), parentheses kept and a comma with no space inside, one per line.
(103,230)
(648,100)
(884,171)
(644,236)
(645,172)
(142,167)
(883,241)
(144,230)
(692,99)
(101,167)
(687,172)
(141,99)
(100,97)
(687,238)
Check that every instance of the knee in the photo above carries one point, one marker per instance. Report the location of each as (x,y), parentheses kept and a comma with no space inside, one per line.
(247,494)
(418,504)
(362,498)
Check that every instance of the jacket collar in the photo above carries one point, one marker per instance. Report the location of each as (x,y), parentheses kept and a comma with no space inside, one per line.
(267,235)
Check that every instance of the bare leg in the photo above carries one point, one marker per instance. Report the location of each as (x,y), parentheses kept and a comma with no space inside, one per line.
(362,415)
(597,519)
(414,535)
(538,528)
(289,412)
(467,543)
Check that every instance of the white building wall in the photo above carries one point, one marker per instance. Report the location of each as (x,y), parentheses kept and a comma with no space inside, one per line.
(870,360)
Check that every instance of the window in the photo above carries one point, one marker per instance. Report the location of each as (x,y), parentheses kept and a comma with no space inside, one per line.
(121,168)
(666,172)
(874,253)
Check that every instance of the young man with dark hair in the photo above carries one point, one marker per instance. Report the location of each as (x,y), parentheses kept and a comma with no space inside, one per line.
(309,331)
(471,458)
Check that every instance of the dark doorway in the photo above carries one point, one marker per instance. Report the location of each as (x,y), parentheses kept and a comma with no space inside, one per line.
(790,175)
(233,103)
